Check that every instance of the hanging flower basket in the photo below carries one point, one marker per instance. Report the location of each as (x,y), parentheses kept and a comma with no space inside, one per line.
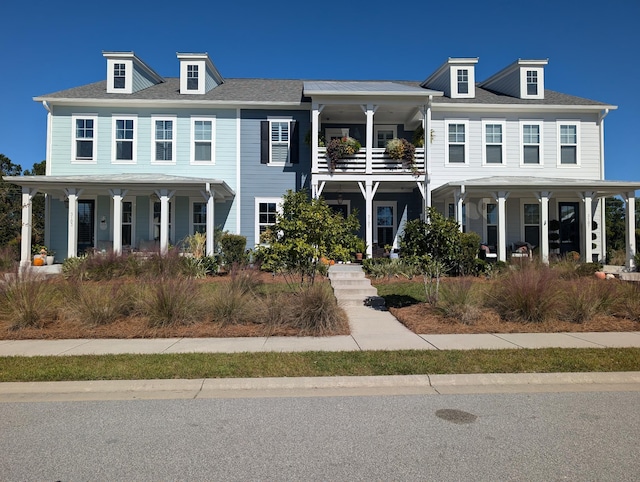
(403,150)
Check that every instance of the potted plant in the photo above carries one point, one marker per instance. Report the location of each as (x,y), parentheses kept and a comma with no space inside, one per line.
(360,247)
(340,148)
(403,150)
(39,254)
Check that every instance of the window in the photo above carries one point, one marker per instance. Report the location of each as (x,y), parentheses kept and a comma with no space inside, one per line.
(163,140)
(494,143)
(491,222)
(199,217)
(118,76)
(127,222)
(452,214)
(384,233)
(457,142)
(279,142)
(463,81)
(202,142)
(266,210)
(568,144)
(124,139)
(384,134)
(531,143)
(531,217)
(532,82)
(84,138)
(155,223)
(192,77)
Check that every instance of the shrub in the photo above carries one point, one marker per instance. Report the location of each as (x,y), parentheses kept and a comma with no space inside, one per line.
(316,311)
(588,269)
(9,256)
(74,268)
(98,303)
(232,303)
(170,300)
(584,298)
(233,249)
(26,300)
(628,302)
(526,295)
(458,300)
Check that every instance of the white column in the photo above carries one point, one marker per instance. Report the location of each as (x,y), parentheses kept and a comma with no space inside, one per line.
(501,199)
(27,225)
(427,153)
(315,128)
(369,217)
(165,196)
(117,195)
(460,196)
(543,197)
(210,227)
(72,223)
(630,217)
(587,198)
(369,110)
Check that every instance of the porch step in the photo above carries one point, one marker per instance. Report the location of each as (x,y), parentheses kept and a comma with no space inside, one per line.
(352,288)
(629,276)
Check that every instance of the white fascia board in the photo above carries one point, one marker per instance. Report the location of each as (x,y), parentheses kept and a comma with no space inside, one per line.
(149,103)
(321,95)
(437,107)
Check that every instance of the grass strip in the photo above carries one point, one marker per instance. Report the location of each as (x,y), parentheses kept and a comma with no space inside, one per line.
(314,364)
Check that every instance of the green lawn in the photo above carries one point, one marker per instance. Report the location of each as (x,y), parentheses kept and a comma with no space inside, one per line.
(255,365)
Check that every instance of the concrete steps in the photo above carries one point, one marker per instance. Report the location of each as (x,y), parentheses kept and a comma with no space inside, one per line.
(351,287)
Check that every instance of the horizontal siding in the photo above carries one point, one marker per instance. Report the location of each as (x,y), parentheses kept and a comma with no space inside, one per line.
(141,80)
(509,84)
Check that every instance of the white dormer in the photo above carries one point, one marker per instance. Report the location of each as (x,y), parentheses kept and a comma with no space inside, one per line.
(523,79)
(127,74)
(198,75)
(456,78)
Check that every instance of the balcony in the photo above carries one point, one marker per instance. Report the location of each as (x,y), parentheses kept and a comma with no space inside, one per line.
(380,163)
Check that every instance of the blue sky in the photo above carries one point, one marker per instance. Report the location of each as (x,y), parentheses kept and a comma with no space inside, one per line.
(592,49)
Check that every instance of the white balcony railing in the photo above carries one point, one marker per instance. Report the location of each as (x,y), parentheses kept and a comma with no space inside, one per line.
(380,163)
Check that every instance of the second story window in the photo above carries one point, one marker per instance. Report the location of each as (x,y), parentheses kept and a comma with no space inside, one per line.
(124,140)
(457,143)
(164,141)
(568,144)
(279,142)
(192,77)
(463,81)
(532,82)
(493,143)
(202,142)
(118,76)
(84,139)
(531,143)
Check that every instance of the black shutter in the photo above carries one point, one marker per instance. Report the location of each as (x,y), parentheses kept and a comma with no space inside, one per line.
(264,142)
(294,148)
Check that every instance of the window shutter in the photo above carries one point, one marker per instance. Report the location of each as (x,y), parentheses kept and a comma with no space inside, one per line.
(264,142)
(294,148)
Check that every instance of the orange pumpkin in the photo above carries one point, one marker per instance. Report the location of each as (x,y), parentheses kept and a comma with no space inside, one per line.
(38,261)
(600,275)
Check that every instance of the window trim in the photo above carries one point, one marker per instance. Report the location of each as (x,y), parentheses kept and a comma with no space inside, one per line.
(288,121)
(192,141)
(539,82)
(74,139)
(559,124)
(172,220)
(384,127)
(462,72)
(257,201)
(523,202)
(134,146)
(194,68)
(503,124)
(447,123)
(165,118)
(117,66)
(344,202)
(540,144)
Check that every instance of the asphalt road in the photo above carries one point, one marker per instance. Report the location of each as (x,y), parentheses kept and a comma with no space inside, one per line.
(533,437)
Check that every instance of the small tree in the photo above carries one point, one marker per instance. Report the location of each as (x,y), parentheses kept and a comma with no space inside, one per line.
(233,248)
(306,231)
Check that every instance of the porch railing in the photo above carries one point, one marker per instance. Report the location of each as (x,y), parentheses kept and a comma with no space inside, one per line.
(380,163)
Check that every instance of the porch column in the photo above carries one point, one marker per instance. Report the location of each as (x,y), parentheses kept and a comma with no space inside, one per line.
(501,199)
(460,196)
(210,227)
(630,217)
(164,195)
(72,225)
(368,190)
(315,127)
(427,152)
(587,198)
(543,198)
(369,110)
(27,224)
(117,195)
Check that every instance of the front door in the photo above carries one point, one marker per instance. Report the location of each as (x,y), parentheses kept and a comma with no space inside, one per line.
(569,227)
(86,225)
(385,223)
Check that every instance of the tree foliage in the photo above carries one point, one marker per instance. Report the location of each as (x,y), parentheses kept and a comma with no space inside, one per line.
(305,232)
(10,202)
(37,230)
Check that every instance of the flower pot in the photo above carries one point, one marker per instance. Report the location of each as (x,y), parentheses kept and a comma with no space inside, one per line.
(358,256)
(50,260)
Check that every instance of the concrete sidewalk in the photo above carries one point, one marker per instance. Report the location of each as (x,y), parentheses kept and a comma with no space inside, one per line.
(371,329)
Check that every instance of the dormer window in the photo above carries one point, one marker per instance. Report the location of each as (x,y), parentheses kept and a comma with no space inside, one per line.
(119,76)
(463,81)
(532,82)
(192,77)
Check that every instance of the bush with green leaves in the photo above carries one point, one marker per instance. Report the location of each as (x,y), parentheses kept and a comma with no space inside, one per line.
(233,248)
(306,231)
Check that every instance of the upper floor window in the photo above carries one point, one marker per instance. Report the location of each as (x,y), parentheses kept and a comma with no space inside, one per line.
(118,76)
(279,142)
(568,143)
(202,141)
(463,81)
(494,142)
(457,142)
(531,143)
(163,140)
(84,136)
(124,139)
(532,82)
(192,77)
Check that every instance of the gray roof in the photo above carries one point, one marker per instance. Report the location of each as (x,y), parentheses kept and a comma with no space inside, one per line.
(334,87)
(280,91)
